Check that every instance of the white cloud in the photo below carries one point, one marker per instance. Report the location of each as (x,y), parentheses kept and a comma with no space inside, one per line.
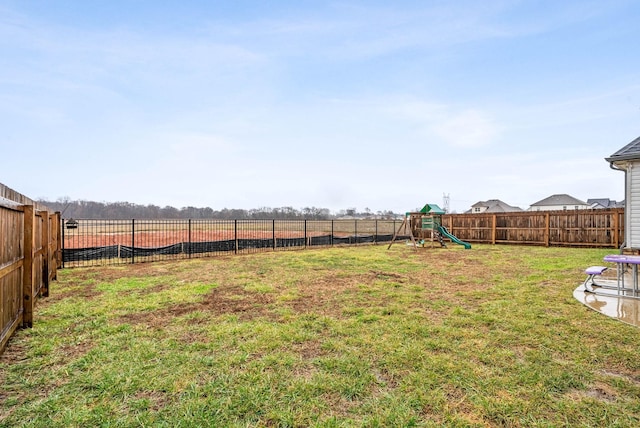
(468,128)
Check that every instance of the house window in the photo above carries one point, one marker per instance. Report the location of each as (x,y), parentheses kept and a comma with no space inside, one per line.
(476,209)
(564,208)
(576,207)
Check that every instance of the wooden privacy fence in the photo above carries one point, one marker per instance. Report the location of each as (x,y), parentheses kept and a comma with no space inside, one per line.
(575,228)
(29,259)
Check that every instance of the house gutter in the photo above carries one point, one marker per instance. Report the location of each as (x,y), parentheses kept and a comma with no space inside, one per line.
(616,168)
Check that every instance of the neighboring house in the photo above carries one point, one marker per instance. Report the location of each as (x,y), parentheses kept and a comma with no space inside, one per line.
(492,206)
(627,159)
(559,202)
(602,203)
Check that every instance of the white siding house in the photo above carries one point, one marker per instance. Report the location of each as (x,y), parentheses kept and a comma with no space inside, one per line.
(559,202)
(492,206)
(603,203)
(627,159)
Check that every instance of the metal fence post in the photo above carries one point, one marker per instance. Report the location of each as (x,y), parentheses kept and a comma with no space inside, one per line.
(133,240)
(375,237)
(46,251)
(332,232)
(235,236)
(189,238)
(355,231)
(305,233)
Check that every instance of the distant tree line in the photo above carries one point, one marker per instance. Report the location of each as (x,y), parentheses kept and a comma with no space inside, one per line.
(125,210)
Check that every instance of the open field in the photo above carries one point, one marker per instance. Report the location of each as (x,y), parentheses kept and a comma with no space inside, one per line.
(355,336)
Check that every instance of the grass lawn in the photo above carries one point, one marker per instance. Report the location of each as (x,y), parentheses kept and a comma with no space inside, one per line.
(326,337)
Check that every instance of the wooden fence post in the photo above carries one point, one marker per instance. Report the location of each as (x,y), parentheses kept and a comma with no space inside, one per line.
(28,298)
(547,231)
(615,231)
(493,229)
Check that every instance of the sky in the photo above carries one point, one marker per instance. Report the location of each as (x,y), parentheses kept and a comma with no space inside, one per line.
(336,104)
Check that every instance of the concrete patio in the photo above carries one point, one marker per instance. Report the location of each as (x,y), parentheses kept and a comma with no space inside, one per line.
(622,305)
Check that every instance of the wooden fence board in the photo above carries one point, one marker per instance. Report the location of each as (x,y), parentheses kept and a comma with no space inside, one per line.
(29,258)
(580,228)
(28,268)
(11,307)
(11,229)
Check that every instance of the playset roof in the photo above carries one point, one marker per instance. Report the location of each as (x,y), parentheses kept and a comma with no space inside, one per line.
(432,209)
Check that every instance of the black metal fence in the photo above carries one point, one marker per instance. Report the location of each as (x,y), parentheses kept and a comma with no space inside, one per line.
(107,242)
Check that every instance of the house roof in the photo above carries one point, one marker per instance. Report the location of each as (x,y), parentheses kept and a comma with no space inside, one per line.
(605,202)
(562,199)
(496,206)
(628,152)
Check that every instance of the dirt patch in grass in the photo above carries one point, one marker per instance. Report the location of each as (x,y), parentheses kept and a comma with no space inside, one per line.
(633,379)
(453,271)
(600,391)
(148,290)
(321,294)
(17,354)
(308,350)
(151,400)
(387,276)
(84,281)
(190,337)
(223,300)
(236,300)
(14,353)
(70,352)
(325,294)
(81,290)
(135,270)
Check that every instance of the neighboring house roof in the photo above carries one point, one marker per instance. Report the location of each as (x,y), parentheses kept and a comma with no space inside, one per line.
(603,202)
(495,206)
(562,199)
(628,152)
